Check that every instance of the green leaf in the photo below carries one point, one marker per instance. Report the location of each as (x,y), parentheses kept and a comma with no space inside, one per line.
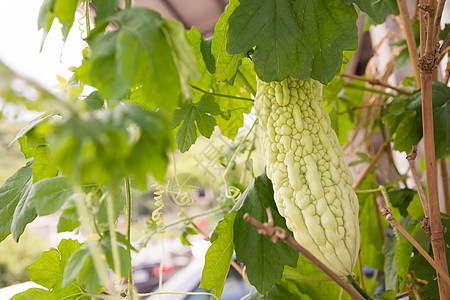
(63,10)
(124,257)
(182,54)
(384,8)
(105,9)
(143,52)
(403,251)
(218,256)
(404,120)
(232,109)
(299,38)
(35,293)
(281,47)
(74,265)
(372,236)
(226,64)
(444,32)
(46,270)
(401,198)
(106,146)
(390,265)
(48,195)
(94,101)
(264,259)
(195,116)
(330,28)
(366,6)
(310,282)
(13,195)
(68,221)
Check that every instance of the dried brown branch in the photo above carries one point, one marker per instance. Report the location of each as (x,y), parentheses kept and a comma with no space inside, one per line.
(409,36)
(437,20)
(427,63)
(445,184)
(278,233)
(376,82)
(387,213)
(371,165)
(412,166)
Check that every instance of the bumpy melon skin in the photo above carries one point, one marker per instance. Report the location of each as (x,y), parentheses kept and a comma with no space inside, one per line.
(312,184)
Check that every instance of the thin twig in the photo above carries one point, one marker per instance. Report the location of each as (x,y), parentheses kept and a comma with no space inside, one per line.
(376,82)
(413,169)
(410,40)
(387,213)
(220,95)
(278,233)
(372,164)
(437,20)
(363,106)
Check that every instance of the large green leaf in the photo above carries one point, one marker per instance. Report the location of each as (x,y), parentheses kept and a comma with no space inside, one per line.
(330,28)
(195,116)
(218,256)
(281,47)
(264,259)
(310,282)
(106,146)
(145,52)
(14,214)
(299,38)
(226,64)
(47,271)
(48,195)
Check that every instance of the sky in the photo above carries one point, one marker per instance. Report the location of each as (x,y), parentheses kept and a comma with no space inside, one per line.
(20,41)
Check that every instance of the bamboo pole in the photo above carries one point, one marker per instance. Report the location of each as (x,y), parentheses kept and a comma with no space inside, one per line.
(427,63)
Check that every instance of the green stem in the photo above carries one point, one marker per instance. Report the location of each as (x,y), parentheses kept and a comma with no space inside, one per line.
(127,3)
(356,286)
(128,235)
(354,86)
(146,238)
(94,247)
(88,21)
(112,232)
(246,83)
(220,95)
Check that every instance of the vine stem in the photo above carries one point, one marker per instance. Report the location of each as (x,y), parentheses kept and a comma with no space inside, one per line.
(220,95)
(375,82)
(371,165)
(112,232)
(227,169)
(128,234)
(427,63)
(278,233)
(88,20)
(387,213)
(94,247)
(413,169)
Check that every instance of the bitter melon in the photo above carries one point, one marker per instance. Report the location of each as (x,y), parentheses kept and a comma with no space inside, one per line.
(312,184)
